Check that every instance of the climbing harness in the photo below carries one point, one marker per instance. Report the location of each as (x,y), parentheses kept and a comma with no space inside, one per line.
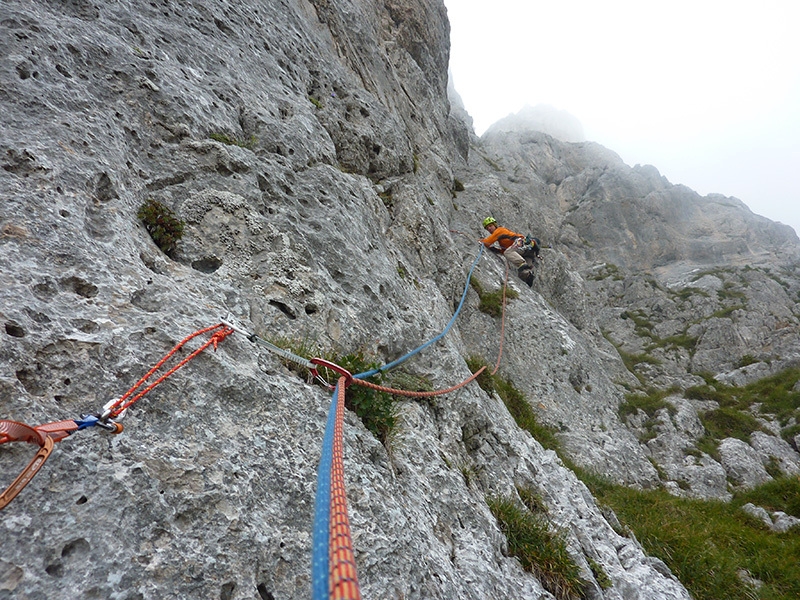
(47,434)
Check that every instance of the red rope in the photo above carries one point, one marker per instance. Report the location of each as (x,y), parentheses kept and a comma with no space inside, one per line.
(419,394)
(47,434)
(342,575)
(127,399)
(343,580)
(350,379)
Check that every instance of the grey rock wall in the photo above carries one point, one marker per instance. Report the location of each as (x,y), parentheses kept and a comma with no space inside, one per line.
(331,221)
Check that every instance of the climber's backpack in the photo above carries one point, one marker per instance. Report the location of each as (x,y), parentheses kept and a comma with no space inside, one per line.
(532,245)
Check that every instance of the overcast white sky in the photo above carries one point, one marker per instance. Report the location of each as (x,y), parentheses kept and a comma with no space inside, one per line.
(707,91)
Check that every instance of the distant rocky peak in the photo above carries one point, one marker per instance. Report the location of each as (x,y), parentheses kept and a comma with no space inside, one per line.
(545,118)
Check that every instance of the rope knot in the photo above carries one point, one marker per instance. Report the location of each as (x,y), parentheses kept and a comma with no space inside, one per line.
(220,335)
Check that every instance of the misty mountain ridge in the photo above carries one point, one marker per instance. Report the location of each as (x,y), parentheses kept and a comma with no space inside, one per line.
(559,124)
(693,230)
(330,197)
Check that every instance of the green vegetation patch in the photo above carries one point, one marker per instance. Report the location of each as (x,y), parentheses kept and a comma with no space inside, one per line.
(707,544)
(229,140)
(747,359)
(681,340)
(164,227)
(643,327)
(608,271)
(641,324)
(650,403)
(491,303)
(728,422)
(377,410)
(724,313)
(782,493)
(540,551)
(687,293)
(631,360)
(774,395)
(600,575)
(718,272)
(515,402)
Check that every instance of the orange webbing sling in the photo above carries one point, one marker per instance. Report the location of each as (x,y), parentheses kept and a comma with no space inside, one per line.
(13,431)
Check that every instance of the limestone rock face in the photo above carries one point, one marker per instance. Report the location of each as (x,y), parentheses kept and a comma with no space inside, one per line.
(311,152)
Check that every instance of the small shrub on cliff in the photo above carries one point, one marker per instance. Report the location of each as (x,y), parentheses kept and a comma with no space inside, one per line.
(376,409)
(162,225)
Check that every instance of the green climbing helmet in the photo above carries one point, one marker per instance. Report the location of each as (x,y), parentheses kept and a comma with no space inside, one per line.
(488,221)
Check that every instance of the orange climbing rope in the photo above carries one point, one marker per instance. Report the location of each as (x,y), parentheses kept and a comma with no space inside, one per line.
(47,434)
(333,562)
(343,580)
(430,394)
(114,409)
(411,394)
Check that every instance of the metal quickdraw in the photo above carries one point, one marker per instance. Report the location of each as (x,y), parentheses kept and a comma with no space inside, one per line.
(13,431)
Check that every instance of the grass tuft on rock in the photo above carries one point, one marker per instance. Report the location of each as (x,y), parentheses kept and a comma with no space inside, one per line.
(539,550)
(164,227)
(491,303)
(515,402)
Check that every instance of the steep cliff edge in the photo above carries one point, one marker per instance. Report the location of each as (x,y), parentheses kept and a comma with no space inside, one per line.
(310,149)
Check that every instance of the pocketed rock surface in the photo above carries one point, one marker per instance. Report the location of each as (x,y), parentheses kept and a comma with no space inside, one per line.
(332,198)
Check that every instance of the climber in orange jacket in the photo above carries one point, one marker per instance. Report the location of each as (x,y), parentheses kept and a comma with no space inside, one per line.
(513,246)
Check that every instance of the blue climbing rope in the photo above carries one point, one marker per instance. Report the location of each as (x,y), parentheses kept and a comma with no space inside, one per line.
(402,359)
(322,509)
